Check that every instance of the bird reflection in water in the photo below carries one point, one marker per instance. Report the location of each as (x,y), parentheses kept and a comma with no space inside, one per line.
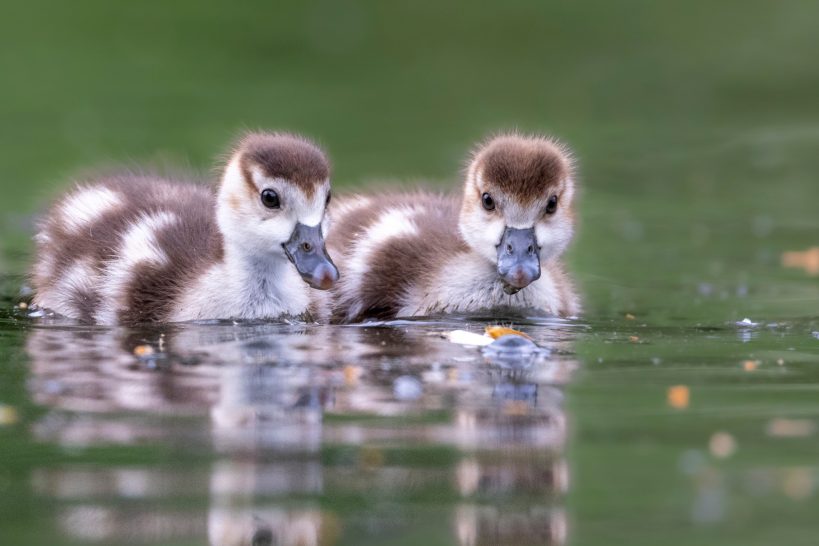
(302,435)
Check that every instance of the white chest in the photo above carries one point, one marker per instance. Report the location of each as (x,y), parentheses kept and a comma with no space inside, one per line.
(244,293)
(469,283)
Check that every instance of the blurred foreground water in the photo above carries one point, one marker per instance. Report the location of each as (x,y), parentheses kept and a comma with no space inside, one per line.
(298,435)
(251,433)
(660,418)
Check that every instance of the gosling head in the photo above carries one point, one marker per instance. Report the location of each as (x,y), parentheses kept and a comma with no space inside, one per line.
(517,205)
(272,201)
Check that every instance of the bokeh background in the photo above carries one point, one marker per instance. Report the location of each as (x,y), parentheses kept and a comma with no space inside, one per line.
(696,128)
(694,123)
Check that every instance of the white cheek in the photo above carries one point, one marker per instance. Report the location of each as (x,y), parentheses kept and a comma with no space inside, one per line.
(276,231)
(553,238)
(482,233)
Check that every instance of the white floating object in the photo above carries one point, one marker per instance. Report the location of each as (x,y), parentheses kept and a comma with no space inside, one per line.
(747,323)
(464,337)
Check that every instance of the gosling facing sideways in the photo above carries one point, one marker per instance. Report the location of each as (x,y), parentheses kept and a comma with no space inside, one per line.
(496,248)
(137,248)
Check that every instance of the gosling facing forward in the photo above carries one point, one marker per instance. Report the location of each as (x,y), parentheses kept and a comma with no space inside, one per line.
(137,248)
(495,248)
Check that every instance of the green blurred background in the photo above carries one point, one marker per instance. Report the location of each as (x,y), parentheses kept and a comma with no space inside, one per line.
(696,128)
(684,115)
(692,110)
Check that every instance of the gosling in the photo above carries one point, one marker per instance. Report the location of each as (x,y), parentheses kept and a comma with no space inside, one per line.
(496,248)
(134,248)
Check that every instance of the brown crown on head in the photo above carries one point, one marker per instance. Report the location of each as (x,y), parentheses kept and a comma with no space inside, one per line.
(285,156)
(525,168)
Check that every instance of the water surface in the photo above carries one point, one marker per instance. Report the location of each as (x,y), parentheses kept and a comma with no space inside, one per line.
(658,417)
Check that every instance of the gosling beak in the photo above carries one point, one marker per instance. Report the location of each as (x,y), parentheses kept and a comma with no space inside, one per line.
(307,252)
(518,259)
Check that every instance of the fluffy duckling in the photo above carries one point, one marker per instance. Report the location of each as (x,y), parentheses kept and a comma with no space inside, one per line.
(495,248)
(136,248)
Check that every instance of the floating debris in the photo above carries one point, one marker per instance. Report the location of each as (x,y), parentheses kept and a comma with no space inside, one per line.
(780,361)
(722,445)
(790,428)
(634,339)
(22,306)
(678,396)
(464,337)
(750,365)
(8,415)
(143,351)
(807,260)
(747,323)
(511,349)
(351,375)
(629,316)
(499,331)
(815,334)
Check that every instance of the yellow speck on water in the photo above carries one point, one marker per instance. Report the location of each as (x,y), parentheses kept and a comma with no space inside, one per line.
(351,375)
(498,331)
(634,339)
(780,361)
(807,260)
(141,351)
(790,428)
(8,415)
(722,445)
(516,408)
(629,316)
(22,305)
(750,365)
(452,374)
(678,396)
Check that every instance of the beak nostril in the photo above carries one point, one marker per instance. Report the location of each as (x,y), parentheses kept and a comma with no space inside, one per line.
(307,247)
(509,248)
(531,249)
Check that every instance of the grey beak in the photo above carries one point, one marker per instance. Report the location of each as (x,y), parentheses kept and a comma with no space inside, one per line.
(518,259)
(307,252)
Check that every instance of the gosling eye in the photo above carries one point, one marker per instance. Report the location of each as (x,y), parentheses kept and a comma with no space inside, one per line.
(270,199)
(327,203)
(551,205)
(487,201)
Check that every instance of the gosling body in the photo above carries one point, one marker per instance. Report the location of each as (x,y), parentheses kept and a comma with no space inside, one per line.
(137,248)
(421,254)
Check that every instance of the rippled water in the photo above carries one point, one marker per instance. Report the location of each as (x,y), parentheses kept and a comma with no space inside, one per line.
(387,433)
(294,434)
(659,418)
